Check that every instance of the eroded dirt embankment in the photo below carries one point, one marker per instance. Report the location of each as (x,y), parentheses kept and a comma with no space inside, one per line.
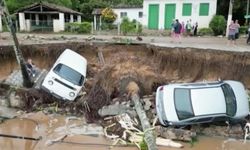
(150,64)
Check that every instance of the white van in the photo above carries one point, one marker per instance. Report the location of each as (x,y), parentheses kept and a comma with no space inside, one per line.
(67,76)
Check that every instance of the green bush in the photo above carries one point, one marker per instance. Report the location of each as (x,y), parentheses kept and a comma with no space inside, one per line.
(75,27)
(205,31)
(218,25)
(108,26)
(128,26)
(243,29)
(85,27)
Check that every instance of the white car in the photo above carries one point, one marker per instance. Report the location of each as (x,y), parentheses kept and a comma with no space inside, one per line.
(67,76)
(192,103)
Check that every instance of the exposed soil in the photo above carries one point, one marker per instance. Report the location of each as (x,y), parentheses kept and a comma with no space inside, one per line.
(148,66)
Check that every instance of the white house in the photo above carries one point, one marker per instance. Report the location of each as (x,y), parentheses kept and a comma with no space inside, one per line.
(133,13)
(159,14)
(46,17)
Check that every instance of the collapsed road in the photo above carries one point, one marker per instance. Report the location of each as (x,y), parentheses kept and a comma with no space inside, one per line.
(148,66)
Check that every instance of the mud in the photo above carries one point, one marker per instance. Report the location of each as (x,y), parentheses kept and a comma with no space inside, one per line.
(49,128)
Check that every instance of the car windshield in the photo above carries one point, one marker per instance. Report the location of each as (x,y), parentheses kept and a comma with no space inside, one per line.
(69,74)
(183,104)
(230,100)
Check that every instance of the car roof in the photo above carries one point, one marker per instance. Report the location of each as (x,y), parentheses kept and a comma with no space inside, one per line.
(74,61)
(206,97)
(208,101)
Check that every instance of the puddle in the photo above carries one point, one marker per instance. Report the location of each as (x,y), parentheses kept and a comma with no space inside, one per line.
(51,127)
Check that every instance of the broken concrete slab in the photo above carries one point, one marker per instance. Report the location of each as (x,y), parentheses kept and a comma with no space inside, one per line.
(8,113)
(116,109)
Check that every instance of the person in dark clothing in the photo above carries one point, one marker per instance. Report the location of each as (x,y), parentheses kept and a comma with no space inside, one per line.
(31,67)
(248,39)
(177,30)
(195,28)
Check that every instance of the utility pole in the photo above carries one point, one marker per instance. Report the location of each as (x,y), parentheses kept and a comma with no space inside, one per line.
(19,56)
(248,1)
(230,15)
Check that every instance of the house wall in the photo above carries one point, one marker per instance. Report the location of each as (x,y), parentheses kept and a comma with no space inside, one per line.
(59,24)
(203,21)
(132,13)
(22,23)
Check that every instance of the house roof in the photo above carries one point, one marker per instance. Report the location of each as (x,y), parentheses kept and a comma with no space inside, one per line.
(127,6)
(97,11)
(50,6)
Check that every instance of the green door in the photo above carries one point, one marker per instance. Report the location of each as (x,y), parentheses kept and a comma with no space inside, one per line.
(153,17)
(169,15)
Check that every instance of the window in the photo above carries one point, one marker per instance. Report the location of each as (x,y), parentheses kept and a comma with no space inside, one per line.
(140,14)
(204,9)
(187,9)
(69,74)
(123,14)
(231,106)
(183,104)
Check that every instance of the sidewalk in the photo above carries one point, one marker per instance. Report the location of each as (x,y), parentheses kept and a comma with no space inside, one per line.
(215,43)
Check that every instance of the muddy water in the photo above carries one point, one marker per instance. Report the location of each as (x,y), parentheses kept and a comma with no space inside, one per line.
(37,124)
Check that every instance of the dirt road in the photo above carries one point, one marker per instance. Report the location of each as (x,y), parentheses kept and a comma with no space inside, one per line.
(216,43)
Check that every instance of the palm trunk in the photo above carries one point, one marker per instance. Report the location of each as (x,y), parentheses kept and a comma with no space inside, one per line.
(149,133)
(19,56)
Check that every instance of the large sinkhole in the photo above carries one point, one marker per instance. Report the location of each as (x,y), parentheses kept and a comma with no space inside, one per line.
(149,66)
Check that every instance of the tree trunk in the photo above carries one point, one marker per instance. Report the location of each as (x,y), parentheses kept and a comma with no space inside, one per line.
(19,56)
(149,134)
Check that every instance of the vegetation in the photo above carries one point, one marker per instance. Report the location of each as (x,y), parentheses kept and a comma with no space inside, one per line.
(218,25)
(108,15)
(84,27)
(87,6)
(205,31)
(243,30)
(14,5)
(239,9)
(128,26)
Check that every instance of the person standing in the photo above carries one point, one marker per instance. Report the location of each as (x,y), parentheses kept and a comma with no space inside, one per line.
(195,28)
(237,29)
(172,30)
(177,31)
(188,28)
(182,27)
(248,39)
(231,33)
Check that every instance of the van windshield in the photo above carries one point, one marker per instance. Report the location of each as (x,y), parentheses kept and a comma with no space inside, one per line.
(69,74)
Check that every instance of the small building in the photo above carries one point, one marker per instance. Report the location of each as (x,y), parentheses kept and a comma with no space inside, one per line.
(159,14)
(132,12)
(44,16)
